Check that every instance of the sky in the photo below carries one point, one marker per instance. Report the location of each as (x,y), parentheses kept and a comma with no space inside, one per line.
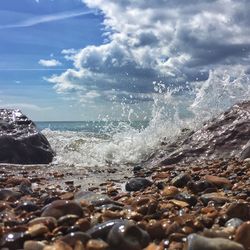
(79,59)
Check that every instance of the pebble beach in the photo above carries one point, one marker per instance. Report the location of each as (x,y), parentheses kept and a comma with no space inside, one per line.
(203,205)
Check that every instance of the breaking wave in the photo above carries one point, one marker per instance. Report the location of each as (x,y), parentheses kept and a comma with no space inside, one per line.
(172,110)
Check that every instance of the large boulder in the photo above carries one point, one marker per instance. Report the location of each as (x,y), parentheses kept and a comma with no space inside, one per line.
(225,136)
(20,141)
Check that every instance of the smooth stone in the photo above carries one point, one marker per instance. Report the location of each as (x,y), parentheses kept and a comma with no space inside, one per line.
(93,198)
(181,180)
(243,235)
(239,210)
(7,194)
(59,245)
(96,245)
(199,186)
(60,208)
(67,220)
(28,206)
(33,245)
(190,199)
(73,237)
(136,184)
(170,191)
(197,242)
(37,230)
(101,230)
(220,182)
(234,222)
(13,240)
(217,198)
(49,222)
(128,236)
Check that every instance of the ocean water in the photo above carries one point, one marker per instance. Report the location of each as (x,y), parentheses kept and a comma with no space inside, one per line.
(122,143)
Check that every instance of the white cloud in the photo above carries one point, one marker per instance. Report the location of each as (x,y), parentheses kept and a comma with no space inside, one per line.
(172,41)
(27,106)
(49,63)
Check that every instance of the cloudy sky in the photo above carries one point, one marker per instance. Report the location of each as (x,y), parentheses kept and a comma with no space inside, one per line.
(76,59)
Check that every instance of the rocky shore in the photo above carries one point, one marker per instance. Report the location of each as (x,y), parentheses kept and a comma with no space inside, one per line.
(193,195)
(197,206)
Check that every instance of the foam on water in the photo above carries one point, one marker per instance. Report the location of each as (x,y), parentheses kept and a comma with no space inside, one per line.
(172,110)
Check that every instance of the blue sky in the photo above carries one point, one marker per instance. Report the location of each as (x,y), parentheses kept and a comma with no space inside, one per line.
(76,59)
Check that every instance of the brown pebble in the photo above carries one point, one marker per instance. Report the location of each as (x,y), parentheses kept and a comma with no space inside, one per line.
(60,208)
(243,235)
(170,191)
(58,245)
(84,224)
(153,246)
(33,245)
(220,182)
(97,245)
(37,230)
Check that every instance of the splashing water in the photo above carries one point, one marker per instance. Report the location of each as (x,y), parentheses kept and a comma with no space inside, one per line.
(172,110)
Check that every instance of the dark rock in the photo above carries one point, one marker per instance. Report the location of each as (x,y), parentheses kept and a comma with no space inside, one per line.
(60,208)
(181,180)
(27,206)
(9,195)
(197,242)
(101,230)
(222,137)
(216,198)
(239,210)
(73,237)
(190,199)
(128,236)
(136,184)
(245,153)
(199,186)
(13,240)
(20,141)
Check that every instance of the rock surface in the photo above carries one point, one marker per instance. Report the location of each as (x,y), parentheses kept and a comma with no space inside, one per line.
(226,136)
(20,141)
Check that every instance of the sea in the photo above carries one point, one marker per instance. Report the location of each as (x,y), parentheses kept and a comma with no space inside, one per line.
(129,142)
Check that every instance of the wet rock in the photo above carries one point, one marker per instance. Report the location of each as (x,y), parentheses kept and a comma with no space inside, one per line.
(243,235)
(220,182)
(37,230)
(136,184)
(59,245)
(222,137)
(49,222)
(33,245)
(101,230)
(217,198)
(20,141)
(13,240)
(190,199)
(199,186)
(239,210)
(60,208)
(245,153)
(181,180)
(9,195)
(72,238)
(128,236)
(93,198)
(197,242)
(68,220)
(27,206)
(234,222)
(97,245)
(170,191)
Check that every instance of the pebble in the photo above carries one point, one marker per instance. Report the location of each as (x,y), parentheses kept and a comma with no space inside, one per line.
(73,237)
(136,184)
(243,235)
(217,198)
(60,208)
(97,245)
(9,195)
(33,245)
(239,210)
(234,222)
(181,180)
(170,191)
(37,230)
(197,242)
(49,222)
(220,182)
(127,236)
